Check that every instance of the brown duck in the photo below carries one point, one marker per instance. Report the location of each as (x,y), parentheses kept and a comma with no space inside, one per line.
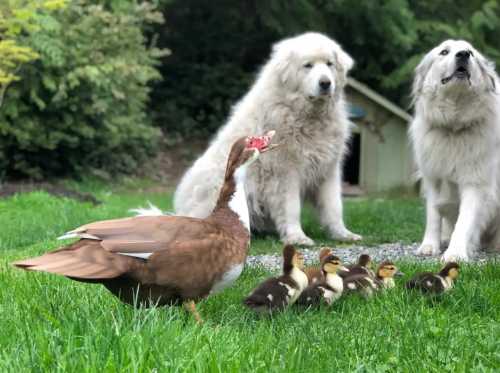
(165,260)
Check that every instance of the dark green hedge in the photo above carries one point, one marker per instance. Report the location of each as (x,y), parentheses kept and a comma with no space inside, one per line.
(82,105)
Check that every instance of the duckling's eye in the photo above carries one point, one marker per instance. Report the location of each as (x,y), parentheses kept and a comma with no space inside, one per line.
(444,52)
(471,54)
(308,65)
(329,63)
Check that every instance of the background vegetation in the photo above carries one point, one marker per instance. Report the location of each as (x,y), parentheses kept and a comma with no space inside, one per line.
(100,85)
(82,104)
(218,47)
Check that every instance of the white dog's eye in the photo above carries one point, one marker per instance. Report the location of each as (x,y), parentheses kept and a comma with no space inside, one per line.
(308,65)
(444,52)
(329,63)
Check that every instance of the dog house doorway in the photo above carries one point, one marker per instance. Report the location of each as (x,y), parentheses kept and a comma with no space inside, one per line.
(352,162)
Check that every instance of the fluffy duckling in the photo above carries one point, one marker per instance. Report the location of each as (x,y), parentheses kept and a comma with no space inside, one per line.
(362,267)
(366,285)
(315,273)
(435,283)
(329,289)
(277,293)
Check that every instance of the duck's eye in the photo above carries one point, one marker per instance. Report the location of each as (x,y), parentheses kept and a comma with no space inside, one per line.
(329,63)
(471,54)
(308,65)
(444,52)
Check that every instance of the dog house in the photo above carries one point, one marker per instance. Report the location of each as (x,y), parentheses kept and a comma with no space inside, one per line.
(380,155)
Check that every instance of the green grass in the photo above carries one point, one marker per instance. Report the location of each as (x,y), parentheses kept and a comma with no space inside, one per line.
(49,323)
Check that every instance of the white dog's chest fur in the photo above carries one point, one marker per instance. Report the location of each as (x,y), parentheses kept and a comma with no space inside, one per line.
(457,156)
(311,149)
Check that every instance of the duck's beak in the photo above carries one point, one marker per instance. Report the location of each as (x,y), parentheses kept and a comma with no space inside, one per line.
(399,273)
(344,269)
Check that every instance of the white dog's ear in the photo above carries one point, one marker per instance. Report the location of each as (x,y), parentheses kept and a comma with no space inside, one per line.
(344,62)
(282,54)
(487,68)
(421,72)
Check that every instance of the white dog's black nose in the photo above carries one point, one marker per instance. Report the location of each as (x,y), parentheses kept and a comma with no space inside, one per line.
(325,83)
(463,55)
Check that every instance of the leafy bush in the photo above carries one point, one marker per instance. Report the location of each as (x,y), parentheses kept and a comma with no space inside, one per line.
(82,104)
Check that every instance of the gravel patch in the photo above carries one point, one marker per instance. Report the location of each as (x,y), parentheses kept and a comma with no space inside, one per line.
(350,254)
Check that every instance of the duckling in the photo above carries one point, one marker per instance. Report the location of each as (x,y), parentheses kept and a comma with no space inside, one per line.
(363,266)
(315,273)
(329,289)
(435,283)
(276,293)
(366,285)
(385,275)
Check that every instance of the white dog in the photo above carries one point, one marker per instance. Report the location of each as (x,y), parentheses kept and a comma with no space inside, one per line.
(298,93)
(456,140)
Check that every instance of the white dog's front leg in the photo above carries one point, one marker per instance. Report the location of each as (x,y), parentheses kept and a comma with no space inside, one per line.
(284,209)
(329,200)
(432,236)
(471,220)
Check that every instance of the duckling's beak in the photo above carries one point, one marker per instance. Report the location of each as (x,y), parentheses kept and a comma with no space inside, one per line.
(399,273)
(344,269)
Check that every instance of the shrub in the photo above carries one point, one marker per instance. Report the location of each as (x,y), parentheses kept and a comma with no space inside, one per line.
(81,105)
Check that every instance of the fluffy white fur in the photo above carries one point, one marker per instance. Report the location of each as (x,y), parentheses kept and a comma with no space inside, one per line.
(456,141)
(311,123)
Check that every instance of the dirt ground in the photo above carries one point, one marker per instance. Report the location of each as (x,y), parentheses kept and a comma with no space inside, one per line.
(8,189)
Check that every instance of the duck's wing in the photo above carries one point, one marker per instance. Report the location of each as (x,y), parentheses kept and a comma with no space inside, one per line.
(141,236)
(427,282)
(272,294)
(353,269)
(312,295)
(314,274)
(108,249)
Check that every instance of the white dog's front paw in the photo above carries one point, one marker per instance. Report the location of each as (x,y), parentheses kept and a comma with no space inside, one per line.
(428,249)
(345,235)
(455,254)
(299,239)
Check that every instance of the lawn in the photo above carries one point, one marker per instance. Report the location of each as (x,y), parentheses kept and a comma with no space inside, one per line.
(49,323)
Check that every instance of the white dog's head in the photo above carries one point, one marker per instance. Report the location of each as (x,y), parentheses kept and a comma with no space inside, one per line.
(453,65)
(312,64)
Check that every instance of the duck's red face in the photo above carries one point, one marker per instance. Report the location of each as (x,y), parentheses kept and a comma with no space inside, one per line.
(260,143)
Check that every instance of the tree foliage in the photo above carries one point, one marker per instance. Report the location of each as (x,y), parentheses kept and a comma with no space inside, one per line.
(218,46)
(82,104)
(17,16)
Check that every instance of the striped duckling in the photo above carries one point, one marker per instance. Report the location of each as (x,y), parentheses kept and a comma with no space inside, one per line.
(329,288)
(315,273)
(363,267)
(276,293)
(366,285)
(435,283)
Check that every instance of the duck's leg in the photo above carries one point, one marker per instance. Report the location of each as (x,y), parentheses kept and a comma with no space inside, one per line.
(190,306)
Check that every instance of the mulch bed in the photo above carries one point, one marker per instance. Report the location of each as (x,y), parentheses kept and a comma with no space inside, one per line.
(9,189)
